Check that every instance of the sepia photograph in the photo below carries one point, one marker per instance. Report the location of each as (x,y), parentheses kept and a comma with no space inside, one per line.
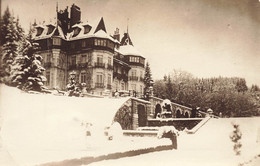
(123,83)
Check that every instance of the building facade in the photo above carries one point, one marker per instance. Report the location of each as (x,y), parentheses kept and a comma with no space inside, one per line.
(101,63)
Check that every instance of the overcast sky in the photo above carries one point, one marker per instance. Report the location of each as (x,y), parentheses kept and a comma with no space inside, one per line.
(204,37)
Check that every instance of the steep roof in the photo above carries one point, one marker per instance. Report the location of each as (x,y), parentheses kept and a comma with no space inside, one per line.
(101,26)
(126,40)
(49,29)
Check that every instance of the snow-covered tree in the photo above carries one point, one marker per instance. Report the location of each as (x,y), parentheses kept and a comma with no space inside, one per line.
(10,41)
(147,77)
(27,72)
(72,88)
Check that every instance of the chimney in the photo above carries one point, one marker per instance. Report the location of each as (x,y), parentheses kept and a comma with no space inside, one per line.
(116,34)
(75,15)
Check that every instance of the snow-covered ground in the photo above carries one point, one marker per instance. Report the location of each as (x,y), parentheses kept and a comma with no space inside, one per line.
(44,128)
(209,146)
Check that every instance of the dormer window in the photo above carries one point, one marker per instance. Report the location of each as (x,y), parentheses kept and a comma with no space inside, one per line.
(76,31)
(50,29)
(39,31)
(87,28)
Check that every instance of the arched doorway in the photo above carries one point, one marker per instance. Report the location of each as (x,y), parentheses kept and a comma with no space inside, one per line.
(158,109)
(186,115)
(178,114)
(141,115)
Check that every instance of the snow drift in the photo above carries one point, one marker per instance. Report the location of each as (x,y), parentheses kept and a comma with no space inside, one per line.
(33,122)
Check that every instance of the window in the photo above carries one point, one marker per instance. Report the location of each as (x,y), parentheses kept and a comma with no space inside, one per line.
(76,32)
(57,41)
(83,77)
(109,61)
(83,44)
(133,72)
(39,31)
(122,86)
(48,77)
(50,29)
(110,44)
(83,58)
(109,79)
(99,59)
(141,74)
(116,82)
(142,61)
(73,60)
(89,57)
(48,58)
(131,59)
(87,29)
(141,89)
(99,78)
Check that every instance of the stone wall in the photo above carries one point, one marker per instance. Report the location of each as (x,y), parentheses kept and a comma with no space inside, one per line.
(179,124)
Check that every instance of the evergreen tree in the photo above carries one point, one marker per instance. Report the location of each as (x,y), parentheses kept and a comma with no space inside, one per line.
(147,77)
(241,85)
(27,72)
(10,43)
(169,89)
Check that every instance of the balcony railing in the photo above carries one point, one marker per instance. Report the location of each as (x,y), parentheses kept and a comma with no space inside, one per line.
(133,78)
(120,76)
(99,85)
(109,86)
(72,67)
(100,65)
(82,65)
(78,66)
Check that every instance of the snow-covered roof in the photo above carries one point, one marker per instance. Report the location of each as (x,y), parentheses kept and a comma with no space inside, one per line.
(45,35)
(129,50)
(90,34)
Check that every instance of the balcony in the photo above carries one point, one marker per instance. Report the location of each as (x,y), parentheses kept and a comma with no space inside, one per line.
(121,76)
(133,78)
(109,86)
(99,85)
(99,65)
(72,67)
(82,65)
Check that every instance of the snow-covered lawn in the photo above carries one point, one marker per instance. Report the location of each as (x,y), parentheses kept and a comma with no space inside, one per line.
(209,146)
(41,128)
(44,128)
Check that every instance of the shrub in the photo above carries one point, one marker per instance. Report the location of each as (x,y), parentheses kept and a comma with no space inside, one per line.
(235,137)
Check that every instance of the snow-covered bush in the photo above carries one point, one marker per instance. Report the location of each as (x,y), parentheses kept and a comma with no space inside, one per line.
(169,132)
(73,89)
